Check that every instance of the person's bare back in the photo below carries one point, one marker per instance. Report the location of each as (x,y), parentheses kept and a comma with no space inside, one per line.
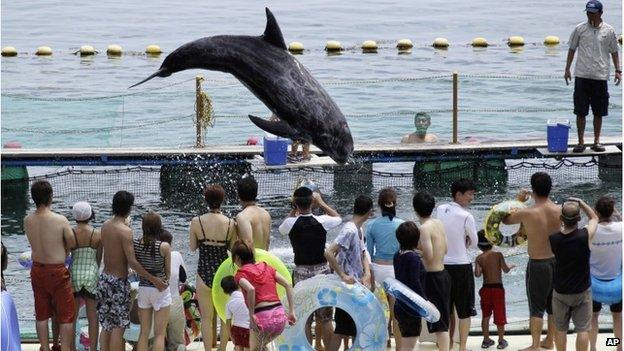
(49,235)
(433,244)
(115,233)
(539,221)
(491,263)
(254,223)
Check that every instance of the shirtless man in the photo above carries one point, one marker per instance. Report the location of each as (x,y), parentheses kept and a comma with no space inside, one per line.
(437,281)
(113,287)
(539,221)
(422,121)
(50,237)
(253,222)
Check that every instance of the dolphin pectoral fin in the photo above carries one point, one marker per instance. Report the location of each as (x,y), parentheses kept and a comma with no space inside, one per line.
(279,128)
(272,32)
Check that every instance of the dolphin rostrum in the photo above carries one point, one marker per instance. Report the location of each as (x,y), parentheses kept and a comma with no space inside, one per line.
(273,75)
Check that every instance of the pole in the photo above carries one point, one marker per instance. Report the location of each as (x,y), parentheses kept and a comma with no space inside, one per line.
(199,113)
(455,97)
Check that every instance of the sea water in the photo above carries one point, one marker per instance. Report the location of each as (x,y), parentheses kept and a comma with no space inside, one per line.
(67,101)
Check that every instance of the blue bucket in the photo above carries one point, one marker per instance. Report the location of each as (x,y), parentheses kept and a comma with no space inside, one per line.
(275,151)
(557,132)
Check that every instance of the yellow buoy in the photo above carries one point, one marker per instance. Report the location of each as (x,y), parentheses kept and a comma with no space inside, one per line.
(515,41)
(9,51)
(440,43)
(87,50)
(551,40)
(114,50)
(369,46)
(480,42)
(44,51)
(405,44)
(333,46)
(153,50)
(295,47)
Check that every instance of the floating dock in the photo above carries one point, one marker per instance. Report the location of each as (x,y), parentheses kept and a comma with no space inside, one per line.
(239,154)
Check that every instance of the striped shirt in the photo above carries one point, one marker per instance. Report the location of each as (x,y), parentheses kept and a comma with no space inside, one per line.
(155,264)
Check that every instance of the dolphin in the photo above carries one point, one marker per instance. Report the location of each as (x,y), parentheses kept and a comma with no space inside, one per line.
(263,64)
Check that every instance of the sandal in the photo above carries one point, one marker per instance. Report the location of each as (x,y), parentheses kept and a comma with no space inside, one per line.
(487,343)
(598,147)
(502,344)
(579,148)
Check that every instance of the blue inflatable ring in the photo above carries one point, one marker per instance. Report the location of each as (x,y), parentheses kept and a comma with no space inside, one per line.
(608,292)
(330,291)
(10,326)
(417,304)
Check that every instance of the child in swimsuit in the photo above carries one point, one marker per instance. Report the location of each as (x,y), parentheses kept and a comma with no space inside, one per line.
(267,318)
(86,257)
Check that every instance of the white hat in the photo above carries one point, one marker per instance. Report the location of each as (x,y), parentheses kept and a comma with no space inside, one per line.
(82,211)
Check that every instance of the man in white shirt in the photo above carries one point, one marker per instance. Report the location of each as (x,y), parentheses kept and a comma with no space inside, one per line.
(461,234)
(605,262)
(595,41)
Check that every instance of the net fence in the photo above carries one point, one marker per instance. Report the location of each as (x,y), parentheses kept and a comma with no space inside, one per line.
(165,182)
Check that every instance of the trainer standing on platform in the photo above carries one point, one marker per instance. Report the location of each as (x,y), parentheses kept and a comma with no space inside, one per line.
(595,41)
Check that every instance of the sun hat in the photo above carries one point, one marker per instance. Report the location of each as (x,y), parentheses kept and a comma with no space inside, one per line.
(82,211)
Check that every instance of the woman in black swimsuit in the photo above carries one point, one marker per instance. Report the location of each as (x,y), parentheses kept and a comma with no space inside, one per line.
(212,234)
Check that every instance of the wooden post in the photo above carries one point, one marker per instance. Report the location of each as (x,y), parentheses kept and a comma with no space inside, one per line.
(455,97)
(199,112)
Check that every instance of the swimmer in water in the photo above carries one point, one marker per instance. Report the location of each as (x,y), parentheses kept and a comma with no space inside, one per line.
(422,121)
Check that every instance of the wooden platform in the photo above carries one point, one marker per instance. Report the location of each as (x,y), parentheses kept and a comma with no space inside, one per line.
(379,152)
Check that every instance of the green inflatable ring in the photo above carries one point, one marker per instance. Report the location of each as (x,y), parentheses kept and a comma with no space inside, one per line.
(220,298)
(494,221)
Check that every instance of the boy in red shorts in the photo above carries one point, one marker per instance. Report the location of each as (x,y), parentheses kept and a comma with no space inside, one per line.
(490,263)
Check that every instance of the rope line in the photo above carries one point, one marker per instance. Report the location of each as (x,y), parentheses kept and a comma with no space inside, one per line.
(333,82)
(96,129)
(92,98)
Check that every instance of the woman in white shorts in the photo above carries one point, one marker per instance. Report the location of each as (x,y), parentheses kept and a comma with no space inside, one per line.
(382,244)
(155,256)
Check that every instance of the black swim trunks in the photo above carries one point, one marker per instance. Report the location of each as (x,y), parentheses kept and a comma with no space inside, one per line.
(438,290)
(344,323)
(462,289)
(539,286)
(591,92)
(409,325)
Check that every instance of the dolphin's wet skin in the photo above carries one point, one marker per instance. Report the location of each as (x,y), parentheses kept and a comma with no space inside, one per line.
(264,65)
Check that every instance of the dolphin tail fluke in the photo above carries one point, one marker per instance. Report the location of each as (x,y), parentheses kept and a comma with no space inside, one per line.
(279,128)
(272,32)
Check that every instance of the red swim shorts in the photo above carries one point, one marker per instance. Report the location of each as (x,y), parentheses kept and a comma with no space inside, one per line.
(53,292)
(493,300)
(240,336)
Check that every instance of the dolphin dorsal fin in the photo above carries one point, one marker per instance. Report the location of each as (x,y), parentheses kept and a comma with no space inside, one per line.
(272,32)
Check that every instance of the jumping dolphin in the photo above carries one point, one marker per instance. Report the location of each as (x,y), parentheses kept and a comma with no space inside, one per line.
(273,75)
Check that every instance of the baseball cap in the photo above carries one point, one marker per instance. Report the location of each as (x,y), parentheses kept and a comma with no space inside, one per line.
(82,211)
(593,6)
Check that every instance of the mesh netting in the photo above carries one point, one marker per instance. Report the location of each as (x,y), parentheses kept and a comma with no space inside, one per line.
(166,182)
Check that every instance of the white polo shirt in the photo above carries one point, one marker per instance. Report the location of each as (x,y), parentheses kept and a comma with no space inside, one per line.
(605,261)
(594,46)
(459,226)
